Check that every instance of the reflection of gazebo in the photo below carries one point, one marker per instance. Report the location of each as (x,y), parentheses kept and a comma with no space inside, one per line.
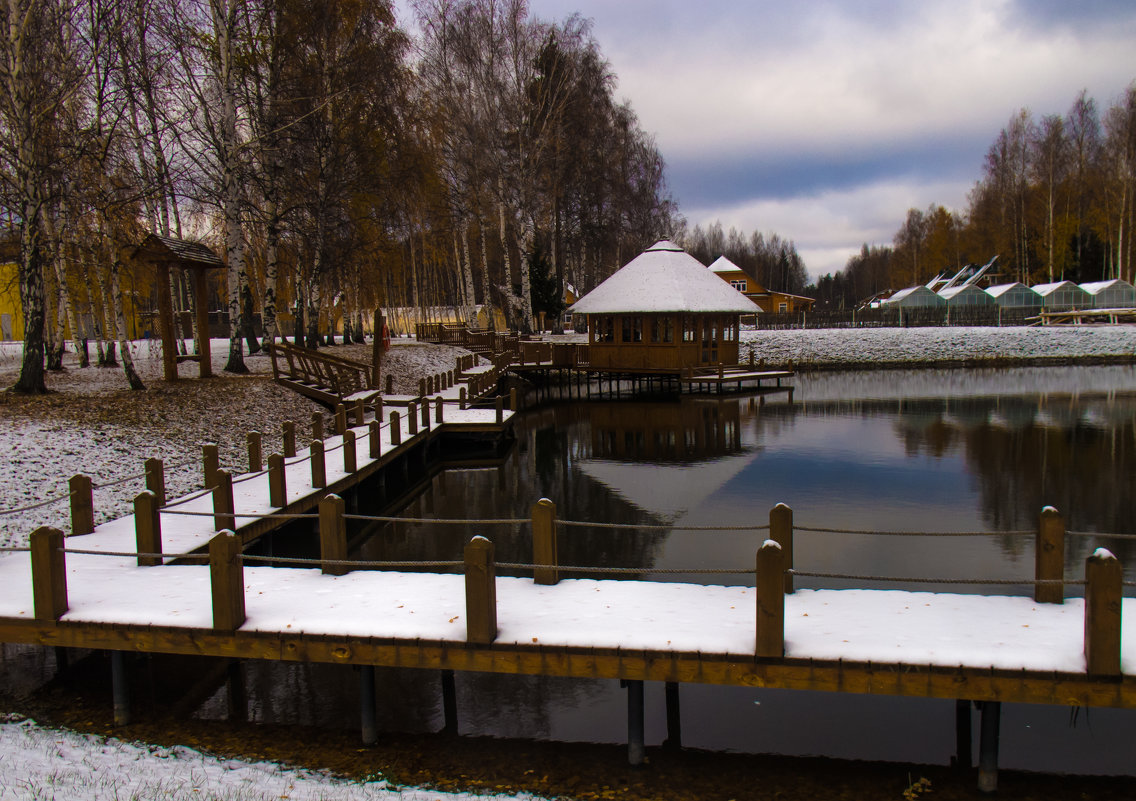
(165,252)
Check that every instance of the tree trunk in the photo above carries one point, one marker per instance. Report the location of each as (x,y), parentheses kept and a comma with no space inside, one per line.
(120,328)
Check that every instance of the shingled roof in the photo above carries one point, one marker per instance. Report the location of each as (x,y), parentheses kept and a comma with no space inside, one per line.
(180,251)
(664,278)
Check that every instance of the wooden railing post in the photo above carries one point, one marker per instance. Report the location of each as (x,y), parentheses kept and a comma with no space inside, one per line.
(82,504)
(147,528)
(277,481)
(781,532)
(317,425)
(412,418)
(256,457)
(480,591)
(378,407)
(227,581)
(438,404)
(544,542)
(340,418)
(425,414)
(360,412)
(211,463)
(333,535)
(289,437)
(513,400)
(461,398)
(1103,600)
(421,387)
(156,480)
(350,460)
(499,406)
(390,384)
(770,600)
(396,429)
(374,444)
(49,573)
(319,467)
(1049,557)
(223,517)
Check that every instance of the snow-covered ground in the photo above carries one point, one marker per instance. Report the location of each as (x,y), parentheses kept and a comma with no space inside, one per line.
(42,763)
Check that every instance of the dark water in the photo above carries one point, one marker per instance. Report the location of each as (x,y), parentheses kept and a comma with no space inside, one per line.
(897,451)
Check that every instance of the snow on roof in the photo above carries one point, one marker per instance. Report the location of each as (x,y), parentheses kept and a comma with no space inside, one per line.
(1095,287)
(959,289)
(915,292)
(664,278)
(1001,289)
(724,265)
(1049,289)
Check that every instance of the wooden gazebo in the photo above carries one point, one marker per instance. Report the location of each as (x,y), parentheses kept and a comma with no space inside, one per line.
(165,252)
(663,311)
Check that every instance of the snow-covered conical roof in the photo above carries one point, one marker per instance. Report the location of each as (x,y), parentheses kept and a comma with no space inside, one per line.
(664,278)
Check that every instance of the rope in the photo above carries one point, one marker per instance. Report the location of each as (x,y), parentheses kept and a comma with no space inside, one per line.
(914,533)
(117,481)
(249,476)
(445,521)
(901,579)
(649,527)
(7,549)
(1100,534)
(626,570)
(255,515)
(289,560)
(182,501)
(196,556)
(39,505)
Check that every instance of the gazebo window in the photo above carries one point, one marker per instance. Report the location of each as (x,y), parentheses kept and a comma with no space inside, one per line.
(632,328)
(662,330)
(605,330)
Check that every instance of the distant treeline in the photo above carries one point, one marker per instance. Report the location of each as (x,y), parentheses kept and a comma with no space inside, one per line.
(1056,201)
(773,261)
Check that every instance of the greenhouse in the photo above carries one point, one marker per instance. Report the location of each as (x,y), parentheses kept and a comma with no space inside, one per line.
(1014,296)
(1063,296)
(916,297)
(1114,294)
(966,295)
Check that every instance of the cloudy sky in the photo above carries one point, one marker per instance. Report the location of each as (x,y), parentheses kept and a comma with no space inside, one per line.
(825,121)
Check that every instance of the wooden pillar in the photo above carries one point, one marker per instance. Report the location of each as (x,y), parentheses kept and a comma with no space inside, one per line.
(288,432)
(781,532)
(461,399)
(227,583)
(360,412)
(374,442)
(211,463)
(223,517)
(1049,557)
(544,542)
(49,573)
(376,347)
(156,480)
(350,457)
(340,418)
(369,725)
(395,429)
(770,601)
(256,457)
(82,504)
(674,717)
(166,321)
(480,592)
(319,468)
(201,301)
(963,745)
(988,746)
(425,414)
(438,413)
(120,688)
(499,407)
(449,703)
(636,744)
(513,400)
(333,535)
(317,425)
(147,528)
(1103,601)
(277,482)
(412,418)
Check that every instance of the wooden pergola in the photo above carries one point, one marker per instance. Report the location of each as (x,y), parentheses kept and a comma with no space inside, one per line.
(165,252)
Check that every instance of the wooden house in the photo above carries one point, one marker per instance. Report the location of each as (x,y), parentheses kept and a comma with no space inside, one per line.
(769,301)
(663,311)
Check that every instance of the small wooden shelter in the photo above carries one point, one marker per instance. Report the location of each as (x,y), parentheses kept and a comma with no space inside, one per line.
(663,311)
(165,252)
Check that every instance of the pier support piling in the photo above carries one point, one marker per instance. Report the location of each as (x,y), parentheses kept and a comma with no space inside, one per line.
(120,689)
(449,703)
(988,746)
(963,746)
(369,728)
(636,744)
(674,717)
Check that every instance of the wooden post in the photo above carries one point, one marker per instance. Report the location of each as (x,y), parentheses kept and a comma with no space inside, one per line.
(544,542)
(425,414)
(513,400)
(277,482)
(227,581)
(1103,600)
(201,297)
(223,517)
(499,406)
(156,480)
(376,357)
(438,404)
(333,535)
(317,425)
(360,412)
(378,406)
(166,321)
(636,743)
(256,458)
(350,461)
(449,703)
(674,717)
(49,573)
(988,745)
(120,689)
(390,384)
(340,418)
(421,387)
(82,504)
(770,601)
(396,429)
(963,746)
(367,719)
(289,436)
(147,528)
(374,443)
(781,532)
(211,463)
(480,592)
(1049,557)
(319,468)
(461,398)
(412,418)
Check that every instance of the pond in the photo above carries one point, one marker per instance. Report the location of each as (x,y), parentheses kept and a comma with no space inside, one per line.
(895,451)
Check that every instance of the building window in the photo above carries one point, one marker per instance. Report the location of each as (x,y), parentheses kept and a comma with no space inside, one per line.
(605,330)
(632,329)
(739,284)
(782,307)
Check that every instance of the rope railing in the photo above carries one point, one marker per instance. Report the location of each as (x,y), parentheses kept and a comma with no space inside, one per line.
(34,506)
(927,580)
(505,521)
(658,526)
(200,557)
(879,533)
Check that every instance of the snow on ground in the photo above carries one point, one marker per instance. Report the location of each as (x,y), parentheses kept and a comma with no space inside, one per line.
(40,763)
